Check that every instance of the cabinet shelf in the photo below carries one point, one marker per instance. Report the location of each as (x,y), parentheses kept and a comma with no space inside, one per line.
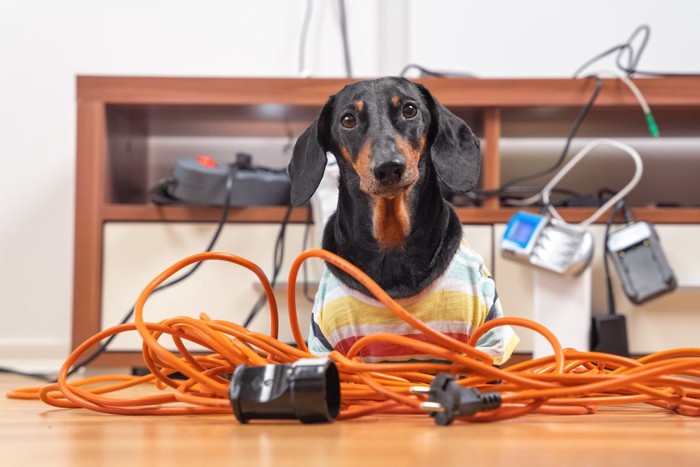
(155,213)
(275,214)
(469,92)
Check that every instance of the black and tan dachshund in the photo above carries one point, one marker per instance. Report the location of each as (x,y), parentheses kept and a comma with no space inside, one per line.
(393,142)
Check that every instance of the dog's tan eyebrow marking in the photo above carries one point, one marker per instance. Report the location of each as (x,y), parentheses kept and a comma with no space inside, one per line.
(395,100)
(359,105)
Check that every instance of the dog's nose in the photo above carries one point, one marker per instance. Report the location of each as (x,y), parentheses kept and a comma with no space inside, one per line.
(389,172)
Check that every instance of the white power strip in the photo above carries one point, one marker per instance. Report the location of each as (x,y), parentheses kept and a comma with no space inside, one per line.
(563,305)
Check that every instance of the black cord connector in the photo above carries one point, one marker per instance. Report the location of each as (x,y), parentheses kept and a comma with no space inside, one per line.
(306,390)
(448,400)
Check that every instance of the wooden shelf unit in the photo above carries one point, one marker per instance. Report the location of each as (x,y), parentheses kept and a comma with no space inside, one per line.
(117,115)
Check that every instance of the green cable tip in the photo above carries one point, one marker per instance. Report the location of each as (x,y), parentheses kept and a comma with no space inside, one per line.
(651,123)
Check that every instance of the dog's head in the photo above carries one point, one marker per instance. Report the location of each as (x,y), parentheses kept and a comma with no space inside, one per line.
(383,129)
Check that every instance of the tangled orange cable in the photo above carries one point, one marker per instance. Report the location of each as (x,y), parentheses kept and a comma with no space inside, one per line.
(567,382)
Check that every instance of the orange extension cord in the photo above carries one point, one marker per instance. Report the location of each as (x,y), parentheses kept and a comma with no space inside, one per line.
(567,382)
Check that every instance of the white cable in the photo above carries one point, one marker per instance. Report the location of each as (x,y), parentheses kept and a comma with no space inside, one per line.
(651,123)
(638,166)
(630,84)
(637,93)
(642,102)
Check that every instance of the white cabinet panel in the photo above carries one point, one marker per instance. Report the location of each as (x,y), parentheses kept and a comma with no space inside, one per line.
(134,253)
(480,238)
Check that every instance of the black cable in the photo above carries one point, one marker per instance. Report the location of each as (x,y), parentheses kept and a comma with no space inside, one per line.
(570,195)
(304,35)
(276,267)
(435,74)
(666,74)
(222,221)
(633,56)
(606,266)
(527,191)
(12,371)
(572,134)
(423,71)
(508,187)
(304,246)
(344,35)
(628,218)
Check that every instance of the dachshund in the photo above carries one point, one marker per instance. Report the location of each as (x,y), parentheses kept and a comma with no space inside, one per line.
(394,144)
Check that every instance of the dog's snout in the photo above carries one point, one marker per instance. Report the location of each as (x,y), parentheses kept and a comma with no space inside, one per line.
(389,172)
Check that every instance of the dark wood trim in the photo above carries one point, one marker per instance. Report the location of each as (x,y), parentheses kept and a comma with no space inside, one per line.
(89,196)
(468,92)
(275,214)
(659,216)
(154,213)
(491,170)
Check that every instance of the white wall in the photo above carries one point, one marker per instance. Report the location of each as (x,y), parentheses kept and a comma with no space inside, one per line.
(549,38)
(45,44)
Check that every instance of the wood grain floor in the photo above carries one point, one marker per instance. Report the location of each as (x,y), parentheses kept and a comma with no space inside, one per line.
(33,434)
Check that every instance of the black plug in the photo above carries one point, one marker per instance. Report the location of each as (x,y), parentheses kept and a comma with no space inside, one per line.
(447,399)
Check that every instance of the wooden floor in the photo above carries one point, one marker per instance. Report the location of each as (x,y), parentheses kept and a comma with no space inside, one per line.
(33,434)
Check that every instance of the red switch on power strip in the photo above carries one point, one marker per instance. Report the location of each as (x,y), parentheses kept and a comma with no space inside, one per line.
(207,161)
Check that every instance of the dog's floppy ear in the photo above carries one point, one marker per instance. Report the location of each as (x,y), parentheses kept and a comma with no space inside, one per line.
(455,151)
(309,156)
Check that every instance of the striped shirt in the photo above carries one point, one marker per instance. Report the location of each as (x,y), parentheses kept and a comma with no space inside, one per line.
(459,301)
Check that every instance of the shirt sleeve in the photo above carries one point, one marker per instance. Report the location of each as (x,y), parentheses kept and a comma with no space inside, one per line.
(499,342)
(317,342)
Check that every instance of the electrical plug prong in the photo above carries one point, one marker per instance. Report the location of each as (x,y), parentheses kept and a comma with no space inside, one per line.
(427,406)
(431,407)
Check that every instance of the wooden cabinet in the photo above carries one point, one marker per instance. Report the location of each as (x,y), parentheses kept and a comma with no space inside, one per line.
(121,118)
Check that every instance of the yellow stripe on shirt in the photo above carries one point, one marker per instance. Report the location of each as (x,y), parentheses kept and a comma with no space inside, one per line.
(442,305)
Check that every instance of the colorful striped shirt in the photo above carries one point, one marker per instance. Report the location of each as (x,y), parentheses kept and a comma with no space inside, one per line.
(459,301)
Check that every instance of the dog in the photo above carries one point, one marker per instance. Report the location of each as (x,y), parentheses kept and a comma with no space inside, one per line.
(394,144)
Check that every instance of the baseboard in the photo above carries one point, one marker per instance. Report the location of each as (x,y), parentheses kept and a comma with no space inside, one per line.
(33,355)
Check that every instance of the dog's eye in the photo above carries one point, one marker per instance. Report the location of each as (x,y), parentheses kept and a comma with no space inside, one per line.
(348,121)
(410,110)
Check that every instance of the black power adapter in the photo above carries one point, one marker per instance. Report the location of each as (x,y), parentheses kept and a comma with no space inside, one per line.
(644,274)
(202,180)
(640,262)
(609,334)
